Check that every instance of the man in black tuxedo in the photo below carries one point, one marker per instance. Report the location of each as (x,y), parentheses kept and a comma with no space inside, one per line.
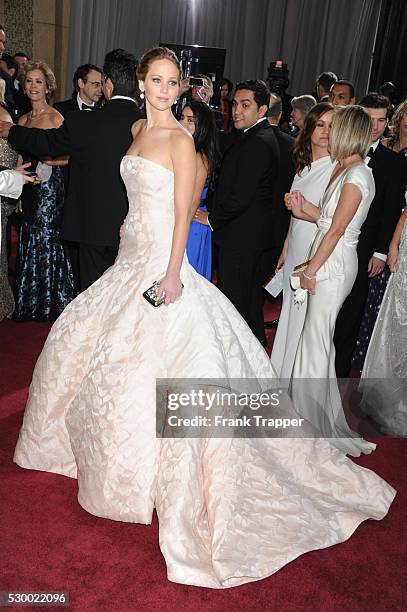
(87,94)
(22,101)
(243,209)
(283,184)
(390,173)
(286,170)
(96,141)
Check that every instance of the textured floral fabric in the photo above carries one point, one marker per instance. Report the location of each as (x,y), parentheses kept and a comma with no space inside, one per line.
(230,510)
(377,287)
(384,376)
(44,279)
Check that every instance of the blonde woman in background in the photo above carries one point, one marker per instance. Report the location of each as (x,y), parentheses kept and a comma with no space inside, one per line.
(330,273)
(397,141)
(44,279)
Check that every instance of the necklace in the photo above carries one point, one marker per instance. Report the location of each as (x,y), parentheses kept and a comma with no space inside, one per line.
(37,113)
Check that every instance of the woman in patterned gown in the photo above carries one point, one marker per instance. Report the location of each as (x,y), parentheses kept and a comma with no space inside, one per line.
(384,376)
(44,279)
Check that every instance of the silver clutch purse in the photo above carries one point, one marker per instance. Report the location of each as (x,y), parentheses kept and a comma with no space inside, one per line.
(151,293)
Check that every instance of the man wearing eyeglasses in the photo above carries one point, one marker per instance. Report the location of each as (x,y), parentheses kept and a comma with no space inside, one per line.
(86,96)
(87,93)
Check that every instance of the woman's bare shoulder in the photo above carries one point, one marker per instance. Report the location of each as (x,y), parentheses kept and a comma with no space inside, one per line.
(54,117)
(5,115)
(181,139)
(137,126)
(23,119)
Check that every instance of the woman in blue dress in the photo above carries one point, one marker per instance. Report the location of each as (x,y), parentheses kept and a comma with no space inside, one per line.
(44,278)
(198,119)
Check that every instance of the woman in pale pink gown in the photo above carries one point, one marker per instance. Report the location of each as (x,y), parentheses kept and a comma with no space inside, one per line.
(230,510)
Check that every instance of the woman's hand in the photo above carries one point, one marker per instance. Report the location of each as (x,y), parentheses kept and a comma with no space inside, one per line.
(27,178)
(201,216)
(294,201)
(287,200)
(393,258)
(297,204)
(171,287)
(307,281)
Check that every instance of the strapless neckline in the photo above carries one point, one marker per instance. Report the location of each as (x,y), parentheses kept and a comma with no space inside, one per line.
(150,161)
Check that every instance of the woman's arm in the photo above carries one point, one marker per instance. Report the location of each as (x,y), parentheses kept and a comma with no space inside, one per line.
(348,204)
(63,160)
(184,163)
(22,120)
(300,207)
(393,256)
(284,252)
(201,176)
(55,120)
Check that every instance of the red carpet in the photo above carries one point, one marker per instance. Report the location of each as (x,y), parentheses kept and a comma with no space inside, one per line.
(49,543)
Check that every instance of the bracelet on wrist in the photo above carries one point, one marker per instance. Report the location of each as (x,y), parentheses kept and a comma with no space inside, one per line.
(311,277)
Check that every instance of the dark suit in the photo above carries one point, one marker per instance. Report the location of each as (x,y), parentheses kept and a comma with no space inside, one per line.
(242,218)
(389,172)
(67,106)
(286,173)
(64,107)
(281,219)
(9,93)
(21,101)
(96,204)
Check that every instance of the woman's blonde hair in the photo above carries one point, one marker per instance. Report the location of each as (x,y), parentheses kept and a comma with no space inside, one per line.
(395,123)
(351,133)
(150,56)
(49,76)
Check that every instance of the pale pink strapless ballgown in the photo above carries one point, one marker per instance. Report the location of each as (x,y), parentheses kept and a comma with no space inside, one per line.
(230,510)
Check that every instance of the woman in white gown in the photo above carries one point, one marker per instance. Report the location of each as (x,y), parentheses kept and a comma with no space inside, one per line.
(313,171)
(231,510)
(384,376)
(330,274)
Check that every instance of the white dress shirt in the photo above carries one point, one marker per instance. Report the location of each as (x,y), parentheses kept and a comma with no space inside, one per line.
(80,102)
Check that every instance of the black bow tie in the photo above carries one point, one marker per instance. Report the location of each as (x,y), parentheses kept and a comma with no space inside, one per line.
(370,152)
(86,107)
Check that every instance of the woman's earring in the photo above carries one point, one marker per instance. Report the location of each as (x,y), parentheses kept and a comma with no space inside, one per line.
(142,95)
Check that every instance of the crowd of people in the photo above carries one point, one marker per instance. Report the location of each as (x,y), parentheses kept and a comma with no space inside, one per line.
(117,195)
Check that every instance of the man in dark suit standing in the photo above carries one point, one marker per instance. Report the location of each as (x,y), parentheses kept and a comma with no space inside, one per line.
(390,173)
(96,204)
(243,209)
(87,94)
(286,171)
